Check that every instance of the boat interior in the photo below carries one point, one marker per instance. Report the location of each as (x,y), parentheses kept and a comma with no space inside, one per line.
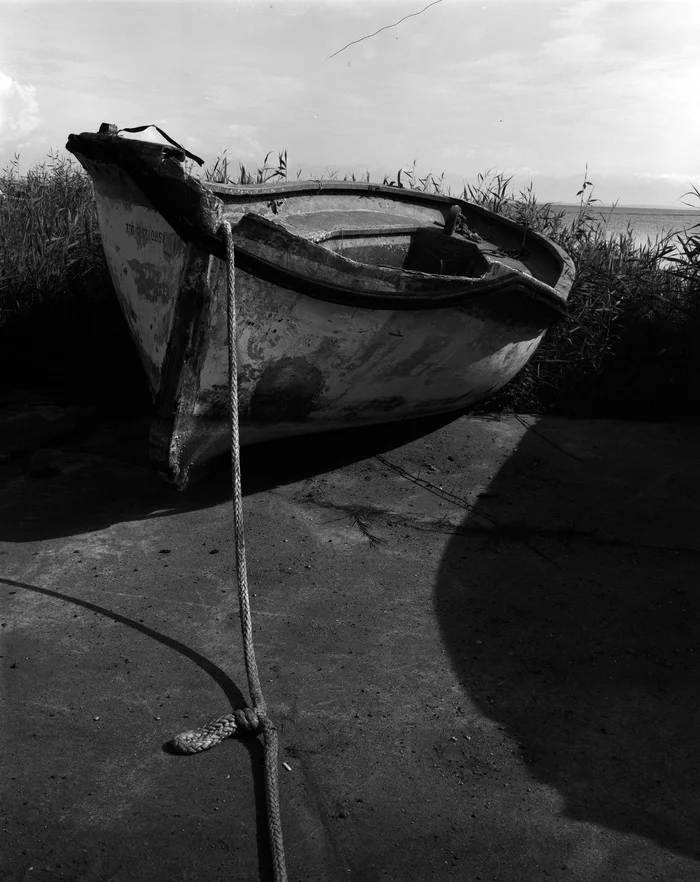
(391,240)
(444,247)
(430,235)
(420,248)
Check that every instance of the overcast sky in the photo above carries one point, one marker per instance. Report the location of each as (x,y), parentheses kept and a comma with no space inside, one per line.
(534,88)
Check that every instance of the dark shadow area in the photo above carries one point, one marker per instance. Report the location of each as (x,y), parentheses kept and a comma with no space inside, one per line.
(582,643)
(233,695)
(75,350)
(626,350)
(77,353)
(230,690)
(105,477)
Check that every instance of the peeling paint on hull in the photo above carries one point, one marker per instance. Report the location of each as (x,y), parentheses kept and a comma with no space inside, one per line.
(308,362)
(146,260)
(329,367)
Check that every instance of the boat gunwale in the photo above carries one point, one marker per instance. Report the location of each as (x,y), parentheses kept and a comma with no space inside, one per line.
(457,290)
(397,194)
(154,166)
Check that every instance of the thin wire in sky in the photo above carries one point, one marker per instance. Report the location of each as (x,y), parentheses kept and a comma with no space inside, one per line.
(385,28)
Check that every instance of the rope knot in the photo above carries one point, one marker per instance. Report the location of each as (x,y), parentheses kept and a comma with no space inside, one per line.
(248,721)
(243,722)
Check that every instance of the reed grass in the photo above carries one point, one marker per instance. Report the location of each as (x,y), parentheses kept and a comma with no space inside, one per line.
(627,347)
(49,240)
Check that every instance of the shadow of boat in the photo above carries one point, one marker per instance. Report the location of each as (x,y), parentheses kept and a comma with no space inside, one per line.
(570,613)
(106,478)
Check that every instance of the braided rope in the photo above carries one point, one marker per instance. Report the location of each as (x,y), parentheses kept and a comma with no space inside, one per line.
(248,721)
(241,722)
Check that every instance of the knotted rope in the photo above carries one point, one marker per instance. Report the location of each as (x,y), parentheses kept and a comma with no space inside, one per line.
(248,721)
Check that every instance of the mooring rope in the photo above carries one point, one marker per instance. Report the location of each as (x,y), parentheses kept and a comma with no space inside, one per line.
(248,721)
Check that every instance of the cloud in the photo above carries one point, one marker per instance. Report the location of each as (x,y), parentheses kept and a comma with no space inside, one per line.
(19,111)
(244,141)
(670,178)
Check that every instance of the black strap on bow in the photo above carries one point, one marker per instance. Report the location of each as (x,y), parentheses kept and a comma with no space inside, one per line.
(167,138)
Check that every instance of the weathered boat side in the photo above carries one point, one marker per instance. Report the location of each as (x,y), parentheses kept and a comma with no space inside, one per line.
(308,367)
(354,306)
(146,260)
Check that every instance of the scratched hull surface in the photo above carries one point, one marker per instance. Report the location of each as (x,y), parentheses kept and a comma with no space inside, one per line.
(306,366)
(357,352)
(146,260)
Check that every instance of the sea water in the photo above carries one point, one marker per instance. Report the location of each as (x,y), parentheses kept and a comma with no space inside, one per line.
(646,224)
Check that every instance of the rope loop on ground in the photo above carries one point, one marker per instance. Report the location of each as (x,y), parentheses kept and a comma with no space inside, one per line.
(239,724)
(247,721)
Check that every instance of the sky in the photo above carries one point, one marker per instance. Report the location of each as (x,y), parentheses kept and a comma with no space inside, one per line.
(546,91)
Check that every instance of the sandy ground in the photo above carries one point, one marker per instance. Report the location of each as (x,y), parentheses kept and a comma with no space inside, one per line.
(479,645)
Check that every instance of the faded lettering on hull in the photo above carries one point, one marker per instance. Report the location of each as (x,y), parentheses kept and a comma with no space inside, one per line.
(146,259)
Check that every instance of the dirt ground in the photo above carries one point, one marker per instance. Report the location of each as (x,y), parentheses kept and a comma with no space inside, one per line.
(478,641)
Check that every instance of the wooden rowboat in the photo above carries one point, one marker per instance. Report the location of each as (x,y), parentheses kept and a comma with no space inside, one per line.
(357,303)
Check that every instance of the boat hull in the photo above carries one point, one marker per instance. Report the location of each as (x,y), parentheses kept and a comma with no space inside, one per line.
(305,364)
(308,366)
(147,260)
